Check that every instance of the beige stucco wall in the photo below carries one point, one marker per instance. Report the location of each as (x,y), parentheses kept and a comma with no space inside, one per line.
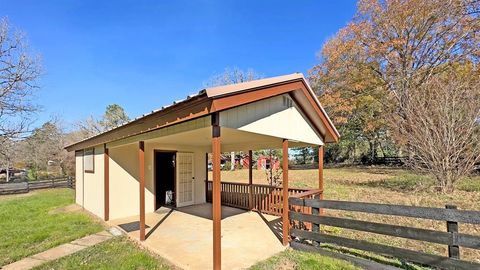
(93,185)
(124,185)
(79,177)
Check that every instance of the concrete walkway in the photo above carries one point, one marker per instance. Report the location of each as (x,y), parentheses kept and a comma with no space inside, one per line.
(59,252)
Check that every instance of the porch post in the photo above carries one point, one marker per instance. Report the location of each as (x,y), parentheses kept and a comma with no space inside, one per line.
(206,177)
(141,179)
(320,167)
(106,183)
(250,180)
(285,221)
(216,189)
(320,174)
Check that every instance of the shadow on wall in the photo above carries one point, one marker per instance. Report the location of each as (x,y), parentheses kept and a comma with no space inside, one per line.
(126,157)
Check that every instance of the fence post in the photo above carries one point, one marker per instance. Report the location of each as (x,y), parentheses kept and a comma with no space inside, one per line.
(316,212)
(452,227)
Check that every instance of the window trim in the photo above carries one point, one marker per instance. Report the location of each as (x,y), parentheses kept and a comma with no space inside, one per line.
(93,160)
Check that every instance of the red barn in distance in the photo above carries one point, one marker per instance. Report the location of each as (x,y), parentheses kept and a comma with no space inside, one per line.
(241,162)
(265,162)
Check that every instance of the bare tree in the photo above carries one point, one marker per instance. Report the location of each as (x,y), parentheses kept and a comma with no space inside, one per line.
(232,76)
(18,76)
(442,127)
(19,72)
(114,116)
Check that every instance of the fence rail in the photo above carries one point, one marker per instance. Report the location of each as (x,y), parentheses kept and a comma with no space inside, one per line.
(26,186)
(263,198)
(452,237)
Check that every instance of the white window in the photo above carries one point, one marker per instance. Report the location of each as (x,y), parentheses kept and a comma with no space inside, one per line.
(89,160)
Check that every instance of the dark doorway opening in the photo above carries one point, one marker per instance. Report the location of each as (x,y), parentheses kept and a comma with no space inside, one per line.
(164,179)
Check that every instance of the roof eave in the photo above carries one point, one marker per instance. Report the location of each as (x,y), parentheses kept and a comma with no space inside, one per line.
(210,94)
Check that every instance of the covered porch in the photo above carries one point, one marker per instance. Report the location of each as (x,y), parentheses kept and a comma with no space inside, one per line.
(250,223)
(172,146)
(184,236)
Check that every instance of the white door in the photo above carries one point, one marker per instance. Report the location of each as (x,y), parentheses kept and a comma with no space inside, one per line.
(185,179)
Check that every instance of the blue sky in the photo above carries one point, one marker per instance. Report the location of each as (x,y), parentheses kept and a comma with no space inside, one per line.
(145,54)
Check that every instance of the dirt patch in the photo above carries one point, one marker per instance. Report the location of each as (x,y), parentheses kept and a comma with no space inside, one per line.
(15,196)
(286,265)
(66,209)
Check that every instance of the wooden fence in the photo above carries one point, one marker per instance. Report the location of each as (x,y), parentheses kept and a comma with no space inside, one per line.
(452,238)
(26,186)
(263,198)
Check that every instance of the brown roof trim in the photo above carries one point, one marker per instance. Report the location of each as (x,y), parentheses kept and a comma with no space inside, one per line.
(321,112)
(229,89)
(213,100)
(227,100)
(182,111)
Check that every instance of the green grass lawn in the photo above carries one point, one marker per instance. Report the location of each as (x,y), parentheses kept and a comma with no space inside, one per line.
(291,259)
(118,253)
(28,225)
(34,222)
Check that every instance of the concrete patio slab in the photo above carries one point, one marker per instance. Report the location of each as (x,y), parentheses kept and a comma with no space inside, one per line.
(184,236)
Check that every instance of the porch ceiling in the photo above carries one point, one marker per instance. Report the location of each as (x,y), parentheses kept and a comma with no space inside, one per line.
(231,140)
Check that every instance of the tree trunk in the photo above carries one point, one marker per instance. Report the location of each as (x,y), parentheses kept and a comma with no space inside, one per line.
(8,171)
(449,184)
(446,183)
(232,161)
(271,169)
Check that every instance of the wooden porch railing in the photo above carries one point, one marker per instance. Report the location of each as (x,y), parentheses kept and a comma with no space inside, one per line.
(263,198)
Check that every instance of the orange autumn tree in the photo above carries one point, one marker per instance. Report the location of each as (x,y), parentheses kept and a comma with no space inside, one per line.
(370,69)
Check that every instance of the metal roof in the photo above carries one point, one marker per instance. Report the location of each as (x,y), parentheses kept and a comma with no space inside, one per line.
(216,92)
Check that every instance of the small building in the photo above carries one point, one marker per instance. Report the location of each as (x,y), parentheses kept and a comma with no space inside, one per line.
(161,158)
(267,163)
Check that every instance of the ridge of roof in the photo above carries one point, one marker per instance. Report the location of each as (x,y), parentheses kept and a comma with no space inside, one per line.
(237,87)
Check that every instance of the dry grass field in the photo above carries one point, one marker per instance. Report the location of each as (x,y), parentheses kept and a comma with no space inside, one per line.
(385,185)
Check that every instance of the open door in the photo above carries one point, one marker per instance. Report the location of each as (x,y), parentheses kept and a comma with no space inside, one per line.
(164,179)
(185,179)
